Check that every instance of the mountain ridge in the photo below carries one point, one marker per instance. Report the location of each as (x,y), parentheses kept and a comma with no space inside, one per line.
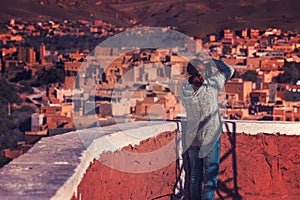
(193,17)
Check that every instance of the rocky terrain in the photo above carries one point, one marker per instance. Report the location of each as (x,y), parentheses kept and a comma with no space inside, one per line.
(193,17)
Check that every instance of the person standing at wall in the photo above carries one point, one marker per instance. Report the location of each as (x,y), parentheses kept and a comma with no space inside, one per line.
(204,125)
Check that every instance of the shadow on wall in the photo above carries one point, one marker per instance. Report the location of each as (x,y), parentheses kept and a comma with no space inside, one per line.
(222,185)
(224,191)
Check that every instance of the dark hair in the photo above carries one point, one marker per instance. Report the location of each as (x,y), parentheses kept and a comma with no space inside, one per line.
(191,79)
(193,67)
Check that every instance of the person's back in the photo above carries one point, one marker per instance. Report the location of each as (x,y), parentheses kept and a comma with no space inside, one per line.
(204,126)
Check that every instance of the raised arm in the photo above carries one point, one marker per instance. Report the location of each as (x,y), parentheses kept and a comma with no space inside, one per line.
(224,74)
(224,69)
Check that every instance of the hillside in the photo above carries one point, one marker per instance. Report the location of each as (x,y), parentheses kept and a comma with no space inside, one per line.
(194,17)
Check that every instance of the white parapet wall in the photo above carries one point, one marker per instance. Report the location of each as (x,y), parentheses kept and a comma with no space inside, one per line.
(257,127)
(54,167)
(104,139)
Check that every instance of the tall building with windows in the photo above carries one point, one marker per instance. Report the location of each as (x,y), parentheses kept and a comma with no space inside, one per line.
(30,55)
(42,53)
(22,54)
(26,55)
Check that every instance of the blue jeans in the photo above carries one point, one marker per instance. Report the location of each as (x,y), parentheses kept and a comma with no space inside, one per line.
(204,171)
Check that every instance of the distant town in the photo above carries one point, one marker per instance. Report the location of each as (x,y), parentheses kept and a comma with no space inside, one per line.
(57,70)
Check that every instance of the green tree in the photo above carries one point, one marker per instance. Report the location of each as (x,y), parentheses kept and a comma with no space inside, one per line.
(236,74)
(10,132)
(250,75)
(7,93)
(53,75)
(291,74)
